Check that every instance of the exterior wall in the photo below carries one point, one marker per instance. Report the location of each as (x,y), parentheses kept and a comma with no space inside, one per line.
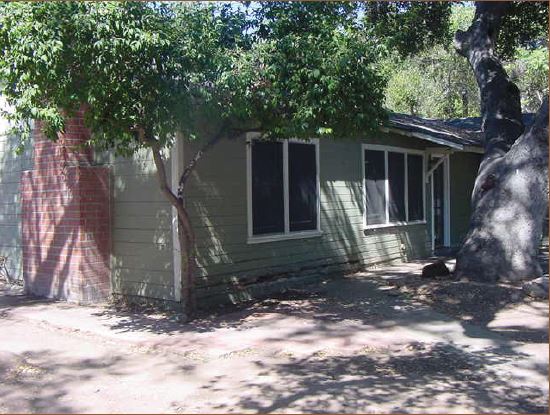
(11,166)
(463,171)
(141,258)
(65,219)
(231,269)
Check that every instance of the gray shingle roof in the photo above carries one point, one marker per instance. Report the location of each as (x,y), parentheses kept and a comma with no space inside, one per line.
(457,133)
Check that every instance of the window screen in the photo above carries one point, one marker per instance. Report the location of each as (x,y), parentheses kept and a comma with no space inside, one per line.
(375,181)
(267,188)
(415,185)
(396,179)
(302,186)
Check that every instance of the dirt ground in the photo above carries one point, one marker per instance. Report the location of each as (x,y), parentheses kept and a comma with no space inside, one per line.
(380,341)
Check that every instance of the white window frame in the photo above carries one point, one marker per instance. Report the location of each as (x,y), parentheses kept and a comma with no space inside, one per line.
(287,234)
(386,149)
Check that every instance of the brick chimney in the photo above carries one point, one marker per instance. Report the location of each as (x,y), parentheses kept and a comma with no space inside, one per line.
(65,208)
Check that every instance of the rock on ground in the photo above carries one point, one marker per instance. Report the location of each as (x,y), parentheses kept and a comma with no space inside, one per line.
(537,288)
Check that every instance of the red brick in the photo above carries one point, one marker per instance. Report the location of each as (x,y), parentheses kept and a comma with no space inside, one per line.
(66,218)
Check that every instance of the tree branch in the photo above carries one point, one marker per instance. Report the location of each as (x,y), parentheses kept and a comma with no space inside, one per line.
(159,164)
(500,98)
(196,158)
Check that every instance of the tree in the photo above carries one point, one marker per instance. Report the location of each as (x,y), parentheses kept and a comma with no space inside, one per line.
(510,196)
(436,82)
(146,71)
(409,27)
(142,71)
(529,71)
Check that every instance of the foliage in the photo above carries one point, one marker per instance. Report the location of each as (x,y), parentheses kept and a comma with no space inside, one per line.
(297,69)
(529,71)
(436,83)
(524,26)
(133,65)
(409,27)
(310,72)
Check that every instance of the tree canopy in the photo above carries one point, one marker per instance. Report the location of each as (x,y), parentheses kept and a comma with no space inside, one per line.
(293,69)
(436,82)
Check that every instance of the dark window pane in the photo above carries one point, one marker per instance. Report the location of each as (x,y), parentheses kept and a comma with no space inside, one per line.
(415,185)
(267,188)
(374,182)
(396,179)
(302,187)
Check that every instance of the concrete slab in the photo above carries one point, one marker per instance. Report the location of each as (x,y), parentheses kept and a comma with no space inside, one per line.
(344,346)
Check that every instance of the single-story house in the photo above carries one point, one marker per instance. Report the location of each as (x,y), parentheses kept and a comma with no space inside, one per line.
(82,226)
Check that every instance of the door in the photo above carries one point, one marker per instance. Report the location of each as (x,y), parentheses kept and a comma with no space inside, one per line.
(440,205)
(438,200)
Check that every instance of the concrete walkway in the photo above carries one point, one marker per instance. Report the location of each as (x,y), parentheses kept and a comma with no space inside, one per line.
(344,346)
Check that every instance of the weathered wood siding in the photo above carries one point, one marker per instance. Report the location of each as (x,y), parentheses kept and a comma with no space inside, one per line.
(11,166)
(229,268)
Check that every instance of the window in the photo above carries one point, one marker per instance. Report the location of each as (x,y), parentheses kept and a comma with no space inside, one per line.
(283,189)
(394,186)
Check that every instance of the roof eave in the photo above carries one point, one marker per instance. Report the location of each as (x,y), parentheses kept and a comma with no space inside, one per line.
(422,136)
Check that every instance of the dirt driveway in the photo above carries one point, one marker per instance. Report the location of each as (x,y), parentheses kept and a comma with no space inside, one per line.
(356,344)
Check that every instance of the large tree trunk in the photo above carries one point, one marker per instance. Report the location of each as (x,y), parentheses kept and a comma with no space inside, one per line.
(510,196)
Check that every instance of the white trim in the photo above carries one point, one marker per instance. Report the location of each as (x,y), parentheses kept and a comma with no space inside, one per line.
(395,224)
(422,136)
(176,170)
(259,239)
(287,234)
(405,151)
(381,147)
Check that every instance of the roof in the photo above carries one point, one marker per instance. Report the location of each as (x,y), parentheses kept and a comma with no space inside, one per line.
(458,133)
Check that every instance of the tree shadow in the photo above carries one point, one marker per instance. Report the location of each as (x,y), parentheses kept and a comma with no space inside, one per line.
(436,378)
(11,166)
(40,381)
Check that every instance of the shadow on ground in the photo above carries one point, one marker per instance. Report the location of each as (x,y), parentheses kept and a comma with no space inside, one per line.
(435,378)
(39,381)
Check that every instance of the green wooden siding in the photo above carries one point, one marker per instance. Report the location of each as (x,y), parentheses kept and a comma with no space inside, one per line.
(141,260)
(463,170)
(229,266)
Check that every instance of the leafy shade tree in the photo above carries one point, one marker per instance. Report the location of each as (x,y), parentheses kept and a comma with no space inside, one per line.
(309,73)
(529,71)
(146,71)
(510,196)
(408,27)
(142,72)
(434,83)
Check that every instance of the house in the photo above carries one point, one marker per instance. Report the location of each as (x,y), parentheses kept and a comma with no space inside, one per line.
(82,226)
